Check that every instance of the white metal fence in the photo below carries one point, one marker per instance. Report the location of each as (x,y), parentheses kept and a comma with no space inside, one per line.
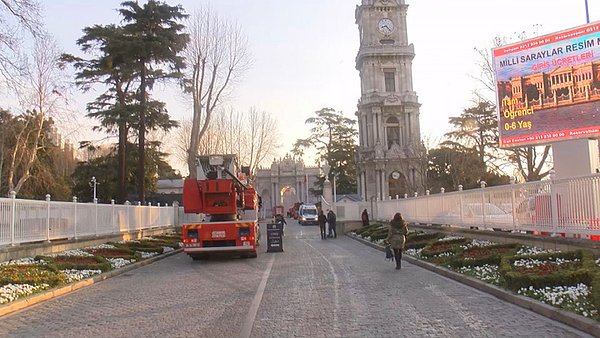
(566,207)
(24,221)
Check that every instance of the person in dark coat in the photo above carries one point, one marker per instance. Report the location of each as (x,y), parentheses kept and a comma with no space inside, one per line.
(397,237)
(280,219)
(365,218)
(322,220)
(331,219)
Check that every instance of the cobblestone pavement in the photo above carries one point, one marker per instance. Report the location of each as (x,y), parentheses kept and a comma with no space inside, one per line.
(317,288)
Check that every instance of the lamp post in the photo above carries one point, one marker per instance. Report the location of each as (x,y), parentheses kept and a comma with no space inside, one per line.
(327,186)
(334,194)
(326,167)
(93,184)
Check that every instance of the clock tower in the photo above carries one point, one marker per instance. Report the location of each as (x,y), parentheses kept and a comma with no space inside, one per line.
(391,158)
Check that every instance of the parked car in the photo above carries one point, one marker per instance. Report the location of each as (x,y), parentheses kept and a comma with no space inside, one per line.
(477,214)
(308,214)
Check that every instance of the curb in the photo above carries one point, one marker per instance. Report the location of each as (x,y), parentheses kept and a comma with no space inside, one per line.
(74,286)
(584,324)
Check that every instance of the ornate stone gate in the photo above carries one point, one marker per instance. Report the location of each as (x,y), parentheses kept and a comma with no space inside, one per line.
(286,182)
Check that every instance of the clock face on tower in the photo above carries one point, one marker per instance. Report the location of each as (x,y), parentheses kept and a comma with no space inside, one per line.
(385,26)
(395,175)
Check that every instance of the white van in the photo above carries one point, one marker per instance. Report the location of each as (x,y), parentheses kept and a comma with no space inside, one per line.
(308,214)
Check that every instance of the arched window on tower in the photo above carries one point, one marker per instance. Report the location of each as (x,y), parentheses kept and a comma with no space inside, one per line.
(393,132)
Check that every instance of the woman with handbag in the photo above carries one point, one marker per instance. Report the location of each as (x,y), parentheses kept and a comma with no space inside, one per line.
(397,237)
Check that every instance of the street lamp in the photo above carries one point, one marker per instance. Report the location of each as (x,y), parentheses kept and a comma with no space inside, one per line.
(326,167)
(93,184)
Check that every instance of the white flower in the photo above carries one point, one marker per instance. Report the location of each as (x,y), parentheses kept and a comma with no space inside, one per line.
(531,251)
(75,252)
(449,238)
(102,246)
(11,292)
(75,275)
(118,263)
(147,254)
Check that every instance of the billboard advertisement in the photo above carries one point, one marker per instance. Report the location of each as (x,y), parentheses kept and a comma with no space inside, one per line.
(548,88)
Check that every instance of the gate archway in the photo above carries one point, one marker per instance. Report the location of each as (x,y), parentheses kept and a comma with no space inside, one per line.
(284,183)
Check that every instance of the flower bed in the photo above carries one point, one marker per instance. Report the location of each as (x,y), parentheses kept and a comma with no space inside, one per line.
(23,277)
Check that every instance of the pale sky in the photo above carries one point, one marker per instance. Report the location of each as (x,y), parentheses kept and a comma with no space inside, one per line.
(304,51)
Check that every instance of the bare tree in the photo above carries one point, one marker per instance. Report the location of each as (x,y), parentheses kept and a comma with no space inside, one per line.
(262,140)
(253,136)
(217,55)
(16,15)
(39,93)
(530,161)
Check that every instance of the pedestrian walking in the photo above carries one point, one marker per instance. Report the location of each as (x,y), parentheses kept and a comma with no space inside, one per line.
(365,218)
(281,220)
(321,219)
(331,219)
(397,237)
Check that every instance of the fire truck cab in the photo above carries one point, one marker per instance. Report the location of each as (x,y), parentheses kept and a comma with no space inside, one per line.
(222,193)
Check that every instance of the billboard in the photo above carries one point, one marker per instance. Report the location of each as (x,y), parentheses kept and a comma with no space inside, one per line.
(548,88)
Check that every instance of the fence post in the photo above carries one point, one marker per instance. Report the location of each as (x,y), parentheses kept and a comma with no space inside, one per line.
(113,223)
(553,202)
(483,203)
(460,204)
(428,212)
(48,218)
(75,217)
(128,204)
(139,212)
(442,191)
(513,201)
(13,197)
(175,214)
(96,215)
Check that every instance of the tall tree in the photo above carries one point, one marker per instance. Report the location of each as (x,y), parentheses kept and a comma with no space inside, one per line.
(156,40)
(476,128)
(334,137)
(110,64)
(449,167)
(217,56)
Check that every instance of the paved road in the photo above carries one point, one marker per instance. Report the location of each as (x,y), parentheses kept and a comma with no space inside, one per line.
(317,288)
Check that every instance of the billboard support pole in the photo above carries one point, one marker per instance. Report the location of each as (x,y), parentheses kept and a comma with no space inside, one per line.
(587,13)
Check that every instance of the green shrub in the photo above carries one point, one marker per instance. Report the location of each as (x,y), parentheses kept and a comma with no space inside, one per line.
(421,240)
(441,252)
(77,262)
(120,252)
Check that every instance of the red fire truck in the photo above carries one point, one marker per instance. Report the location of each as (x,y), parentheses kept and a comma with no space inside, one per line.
(229,204)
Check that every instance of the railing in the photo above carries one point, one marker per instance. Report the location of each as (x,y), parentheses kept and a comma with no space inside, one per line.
(26,221)
(562,207)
